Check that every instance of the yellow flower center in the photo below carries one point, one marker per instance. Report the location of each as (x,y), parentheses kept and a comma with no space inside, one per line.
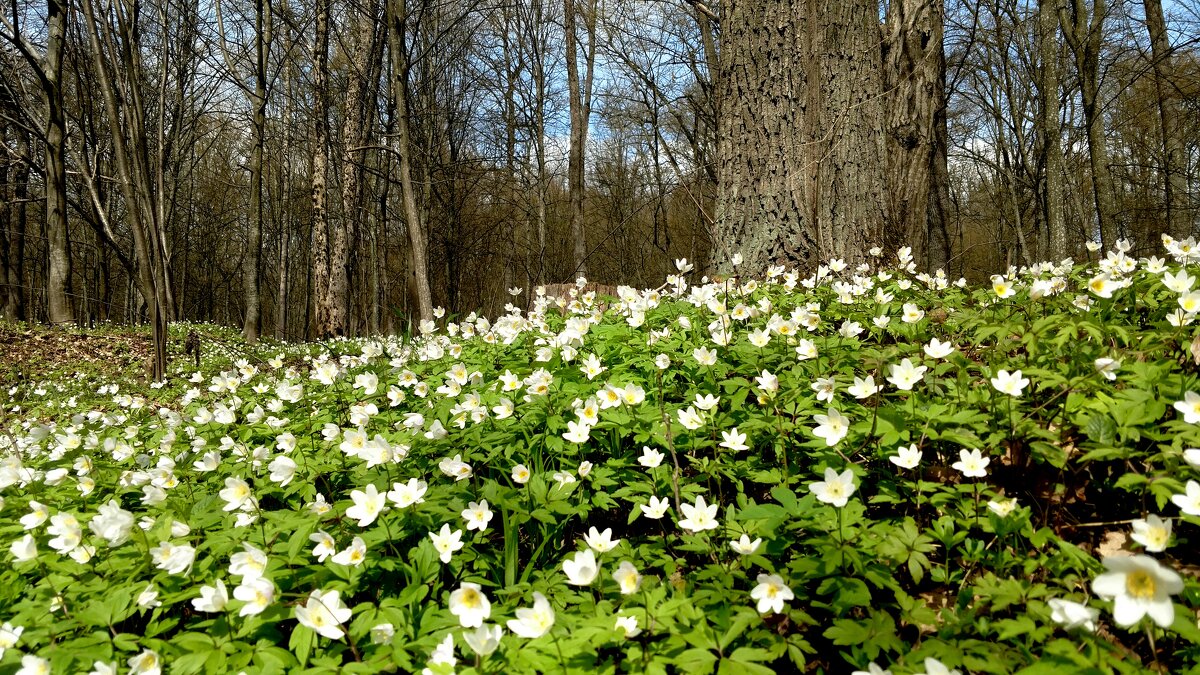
(1140,584)
(470,598)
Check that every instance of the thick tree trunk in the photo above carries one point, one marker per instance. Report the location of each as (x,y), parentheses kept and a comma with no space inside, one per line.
(58,276)
(414,223)
(801,164)
(1049,132)
(914,87)
(322,261)
(353,130)
(1084,32)
(1174,160)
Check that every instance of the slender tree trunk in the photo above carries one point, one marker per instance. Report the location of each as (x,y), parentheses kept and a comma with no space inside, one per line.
(324,317)
(17,213)
(801,163)
(250,271)
(1049,131)
(580,101)
(58,277)
(914,87)
(1174,159)
(414,223)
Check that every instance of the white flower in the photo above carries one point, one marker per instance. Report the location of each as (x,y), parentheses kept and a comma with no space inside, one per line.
(368,504)
(872,669)
(745,546)
(1002,508)
(446,542)
(324,613)
(520,474)
(174,559)
(972,464)
(1192,457)
(484,640)
(835,489)
(33,665)
(407,494)
(771,593)
(470,605)
(577,432)
(236,494)
(581,570)
(249,564)
(825,388)
(690,418)
(9,635)
(256,593)
(601,542)
(935,667)
(767,382)
(455,468)
(325,545)
(906,457)
(733,440)
(67,532)
(863,387)
(1188,502)
(938,350)
(1190,407)
(832,427)
(283,469)
(699,517)
(352,556)
(704,356)
(1071,615)
(212,598)
(533,622)
(24,549)
(112,523)
(382,633)
(656,508)
(1154,533)
(1138,586)
(146,663)
(1009,383)
(650,458)
(628,625)
(627,577)
(904,375)
(477,515)
(1108,368)
(38,514)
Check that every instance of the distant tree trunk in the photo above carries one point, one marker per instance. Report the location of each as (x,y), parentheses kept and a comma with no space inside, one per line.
(915,99)
(1084,34)
(414,223)
(250,271)
(1174,162)
(58,275)
(1049,131)
(322,261)
(580,100)
(353,131)
(16,180)
(801,166)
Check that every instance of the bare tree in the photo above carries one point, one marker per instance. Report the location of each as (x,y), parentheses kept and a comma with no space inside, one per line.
(580,96)
(47,66)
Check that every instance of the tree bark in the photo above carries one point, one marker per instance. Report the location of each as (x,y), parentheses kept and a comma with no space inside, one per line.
(414,223)
(262,47)
(1084,33)
(580,102)
(914,69)
(801,168)
(322,262)
(1049,131)
(58,275)
(1174,159)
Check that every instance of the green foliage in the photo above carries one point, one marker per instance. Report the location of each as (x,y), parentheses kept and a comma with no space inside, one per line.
(823,542)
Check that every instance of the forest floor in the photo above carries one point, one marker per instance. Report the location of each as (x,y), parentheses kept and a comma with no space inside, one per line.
(33,353)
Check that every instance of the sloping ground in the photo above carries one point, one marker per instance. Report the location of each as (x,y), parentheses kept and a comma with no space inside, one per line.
(31,353)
